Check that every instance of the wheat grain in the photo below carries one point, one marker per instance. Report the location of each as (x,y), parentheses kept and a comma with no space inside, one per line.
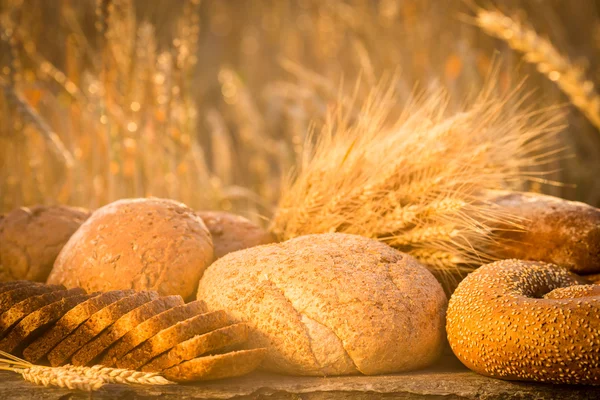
(117,375)
(549,61)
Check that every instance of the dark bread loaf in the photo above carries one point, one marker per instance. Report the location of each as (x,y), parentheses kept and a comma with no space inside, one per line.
(125,324)
(172,336)
(6,286)
(32,237)
(141,244)
(12,297)
(71,321)
(558,231)
(149,328)
(95,325)
(199,345)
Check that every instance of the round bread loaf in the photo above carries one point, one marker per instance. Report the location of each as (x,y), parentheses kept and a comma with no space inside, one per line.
(527,320)
(232,232)
(32,237)
(331,304)
(141,244)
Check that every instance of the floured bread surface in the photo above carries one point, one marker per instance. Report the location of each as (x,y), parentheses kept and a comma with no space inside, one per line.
(331,304)
(140,244)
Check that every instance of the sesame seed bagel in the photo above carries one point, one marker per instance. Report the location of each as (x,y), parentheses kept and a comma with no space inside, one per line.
(527,320)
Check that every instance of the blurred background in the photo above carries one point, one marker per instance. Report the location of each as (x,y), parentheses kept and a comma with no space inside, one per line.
(210,101)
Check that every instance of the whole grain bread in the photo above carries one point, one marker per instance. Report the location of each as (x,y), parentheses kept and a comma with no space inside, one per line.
(141,244)
(554,230)
(331,304)
(32,237)
(232,232)
(95,325)
(219,366)
(149,328)
(70,321)
(172,336)
(12,297)
(37,322)
(126,323)
(20,310)
(6,286)
(206,343)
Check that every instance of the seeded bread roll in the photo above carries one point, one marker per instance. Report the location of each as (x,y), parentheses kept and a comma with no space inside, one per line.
(31,238)
(141,244)
(558,231)
(331,304)
(232,232)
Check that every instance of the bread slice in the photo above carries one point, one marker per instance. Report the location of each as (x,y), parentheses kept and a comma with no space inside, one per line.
(70,321)
(149,328)
(5,286)
(126,323)
(18,294)
(22,309)
(95,325)
(172,336)
(207,343)
(37,322)
(219,366)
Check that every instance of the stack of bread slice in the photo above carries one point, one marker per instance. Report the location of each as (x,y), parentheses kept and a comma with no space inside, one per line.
(124,329)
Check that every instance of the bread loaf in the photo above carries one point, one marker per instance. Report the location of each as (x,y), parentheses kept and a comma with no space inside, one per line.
(331,304)
(32,237)
(232,232)
(141,244)
(558,231)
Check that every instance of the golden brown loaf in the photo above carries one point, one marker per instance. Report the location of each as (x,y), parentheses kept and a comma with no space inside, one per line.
(527,320)
(557,231)
(232,232)
(32,237)
(141,244)
(331,304)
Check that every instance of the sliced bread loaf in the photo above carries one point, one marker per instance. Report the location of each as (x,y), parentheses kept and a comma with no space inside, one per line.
(95,325)
(18,294)
(149,328)
(70,321)
(207,343)
(126,323)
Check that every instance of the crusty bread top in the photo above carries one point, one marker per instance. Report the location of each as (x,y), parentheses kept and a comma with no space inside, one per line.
(232,232)
(141,244)
(331,304)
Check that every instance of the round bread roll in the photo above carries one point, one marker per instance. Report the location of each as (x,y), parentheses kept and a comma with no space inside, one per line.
(32,237)
(141,244)
(331,304)
(527,320)
(232,232)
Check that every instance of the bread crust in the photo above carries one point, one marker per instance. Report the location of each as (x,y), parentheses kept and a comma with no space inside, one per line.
(331,304)
(71,321)
(32,237)
(141,244)
(12,297)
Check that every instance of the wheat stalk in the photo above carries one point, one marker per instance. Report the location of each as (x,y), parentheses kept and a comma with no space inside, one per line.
(549,61)
(414,178)
(77,377)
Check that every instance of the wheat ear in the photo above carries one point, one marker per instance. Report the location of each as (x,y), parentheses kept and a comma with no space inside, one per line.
(549,61)
(117,375)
